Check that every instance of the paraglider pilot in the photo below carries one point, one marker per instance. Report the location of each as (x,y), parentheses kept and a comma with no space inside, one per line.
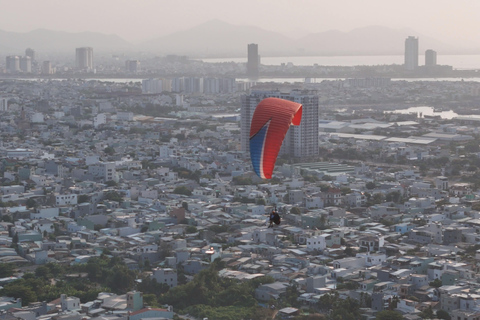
(274,218)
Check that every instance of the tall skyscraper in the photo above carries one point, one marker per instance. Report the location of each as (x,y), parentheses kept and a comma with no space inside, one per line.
(29,52)
(301,141)
(132,66)
(26,64)
(430,58)
(3,104)
(84,58)
(47,67)
(411,53)
(12,64)
(253,61)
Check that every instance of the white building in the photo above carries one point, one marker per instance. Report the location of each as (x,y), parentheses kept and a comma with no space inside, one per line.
(166,276)
(125,116)
(84,58)
(69,303)
(150,86)
(3,104)
(411,53)
(104,170)
(99,119)
(317,242)
(66,199)
(37,117)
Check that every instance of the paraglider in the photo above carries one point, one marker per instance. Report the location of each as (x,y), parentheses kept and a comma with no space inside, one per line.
(274,218)
(270,123)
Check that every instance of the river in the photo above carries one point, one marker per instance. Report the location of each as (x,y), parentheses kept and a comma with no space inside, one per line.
(458,62)
(430,111)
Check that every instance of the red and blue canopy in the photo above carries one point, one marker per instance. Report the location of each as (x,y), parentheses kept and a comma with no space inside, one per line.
(270,123)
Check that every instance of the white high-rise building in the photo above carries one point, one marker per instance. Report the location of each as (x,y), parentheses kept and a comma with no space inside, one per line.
(3,104)
(430,58)
(47,67)
(84,58)
(411,53)
(132,66)
(156,85)
(301,141)
(26,64)
(13,64)
(29,52)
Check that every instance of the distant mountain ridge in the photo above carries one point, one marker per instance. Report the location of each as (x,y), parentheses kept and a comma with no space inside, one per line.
(58,41)
(216,38)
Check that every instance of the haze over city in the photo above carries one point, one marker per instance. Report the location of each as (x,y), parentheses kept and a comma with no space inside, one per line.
(454,24)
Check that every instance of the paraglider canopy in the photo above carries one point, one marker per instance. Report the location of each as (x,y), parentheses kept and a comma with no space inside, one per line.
(270,123)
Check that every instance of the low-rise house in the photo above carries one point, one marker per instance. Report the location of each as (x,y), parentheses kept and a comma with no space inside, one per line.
(270,291)
(166,276)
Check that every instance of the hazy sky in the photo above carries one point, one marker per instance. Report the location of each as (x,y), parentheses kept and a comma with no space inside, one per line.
(137,20)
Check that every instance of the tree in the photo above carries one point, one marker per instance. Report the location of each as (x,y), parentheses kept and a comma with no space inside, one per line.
(111,183)
(442,314)
(345,190)
(6,270)
(21,291)
(31,203)
(191,229)
(15,238)
(260,201)
(43,272)
(150,300)
(83,198)
(437,283)
(370,185)
(389,315)
(113,196)
(109,151)
(427,313)
(182,190)
(295,210)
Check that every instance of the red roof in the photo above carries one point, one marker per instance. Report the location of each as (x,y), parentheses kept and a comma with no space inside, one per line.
(147,309)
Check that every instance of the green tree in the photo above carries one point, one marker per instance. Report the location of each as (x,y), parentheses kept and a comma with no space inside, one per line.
(20,290)
(260,201)
(427,313)
(109,151)
(442,314)
(182,190)
(150,299)
(43,272)
(295,210)
(389,315)
(191,229)
(111,183)
(437,283)
(31,203)
(345,190)
(83,198)
(370,185)
(6,270)
(113,195)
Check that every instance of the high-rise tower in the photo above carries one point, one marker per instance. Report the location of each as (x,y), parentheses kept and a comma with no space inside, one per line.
(26,64)
(13,64)
(29,52)
(301,141)
(84,58)
(430,58)
(253,61)
(411,53)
